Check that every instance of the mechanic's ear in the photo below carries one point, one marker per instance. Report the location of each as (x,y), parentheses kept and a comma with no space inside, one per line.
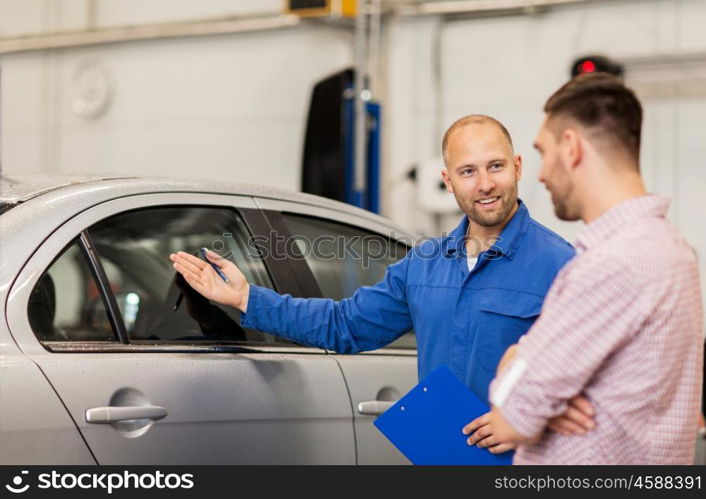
(447,180)
(518,167)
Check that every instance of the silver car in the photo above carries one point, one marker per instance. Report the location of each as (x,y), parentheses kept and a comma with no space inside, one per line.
(107,357)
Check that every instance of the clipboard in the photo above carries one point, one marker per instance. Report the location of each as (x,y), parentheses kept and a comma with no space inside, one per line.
(425,425)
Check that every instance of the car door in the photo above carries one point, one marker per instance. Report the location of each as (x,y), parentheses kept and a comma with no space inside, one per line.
(375,379)
(147,382)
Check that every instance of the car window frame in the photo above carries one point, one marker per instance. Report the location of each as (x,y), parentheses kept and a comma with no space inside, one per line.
(308,285)
(251,217)
(256,223)
(273,210)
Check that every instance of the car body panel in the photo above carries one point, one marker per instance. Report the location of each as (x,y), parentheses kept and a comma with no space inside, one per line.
(377,376)
(233,408)
(282,404)
(269,407)
(34,425)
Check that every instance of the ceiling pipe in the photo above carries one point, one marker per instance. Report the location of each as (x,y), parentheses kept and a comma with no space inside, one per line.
(221,26)
(486,7)
(146,32)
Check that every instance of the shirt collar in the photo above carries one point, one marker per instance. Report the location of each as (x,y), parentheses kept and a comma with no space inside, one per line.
(621,215)
(507,243)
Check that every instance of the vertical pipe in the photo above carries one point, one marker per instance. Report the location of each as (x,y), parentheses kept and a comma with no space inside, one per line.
(360,54)
(0,121)
(374,47)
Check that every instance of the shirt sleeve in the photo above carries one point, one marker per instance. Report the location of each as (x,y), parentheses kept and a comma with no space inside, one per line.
(591,314)
(373,317)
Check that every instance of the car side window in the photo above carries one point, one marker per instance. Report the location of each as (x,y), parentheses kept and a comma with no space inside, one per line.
(344,258)
(134,247)
(66,304)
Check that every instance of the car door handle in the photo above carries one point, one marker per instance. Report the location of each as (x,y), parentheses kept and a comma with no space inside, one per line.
(113,414)
(375,407)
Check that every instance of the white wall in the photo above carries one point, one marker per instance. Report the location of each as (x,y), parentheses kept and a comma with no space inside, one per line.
(410,125)
(123,12)
(508,66)
(32,17)
(226,107)
(512,81)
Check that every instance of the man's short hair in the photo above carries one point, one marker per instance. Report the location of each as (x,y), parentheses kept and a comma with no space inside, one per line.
(472,119)
(602,104)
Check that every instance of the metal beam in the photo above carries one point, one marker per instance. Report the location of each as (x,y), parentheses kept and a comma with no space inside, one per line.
(488,7)
(220,26)
(146,32)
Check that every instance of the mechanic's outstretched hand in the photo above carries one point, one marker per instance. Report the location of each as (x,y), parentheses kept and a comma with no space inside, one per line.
(201,277)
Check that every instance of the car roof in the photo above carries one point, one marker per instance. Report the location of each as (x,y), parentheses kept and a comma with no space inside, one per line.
(20,188)
(17,188)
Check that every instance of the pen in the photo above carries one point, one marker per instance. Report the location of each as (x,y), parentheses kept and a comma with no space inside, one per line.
(215,267)
(178,302)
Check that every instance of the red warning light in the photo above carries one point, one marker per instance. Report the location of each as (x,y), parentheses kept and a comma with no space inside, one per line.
(588,67)
(593,63)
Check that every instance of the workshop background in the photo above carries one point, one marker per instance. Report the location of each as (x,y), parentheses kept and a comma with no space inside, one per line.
(221,88)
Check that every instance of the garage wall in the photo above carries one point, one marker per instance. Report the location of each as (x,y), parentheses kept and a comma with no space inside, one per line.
(508,66)
(33,17)
(229,107)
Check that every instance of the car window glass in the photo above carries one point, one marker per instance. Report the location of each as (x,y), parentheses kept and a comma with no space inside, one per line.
(134,249)
(344,258)
(65,304)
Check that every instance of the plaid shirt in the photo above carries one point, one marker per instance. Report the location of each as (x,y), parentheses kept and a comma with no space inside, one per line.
(622,325)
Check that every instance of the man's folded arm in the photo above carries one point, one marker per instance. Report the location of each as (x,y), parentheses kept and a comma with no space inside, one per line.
(373,317)
(584,324)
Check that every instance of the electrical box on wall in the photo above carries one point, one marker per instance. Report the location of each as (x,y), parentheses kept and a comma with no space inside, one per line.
(321,8)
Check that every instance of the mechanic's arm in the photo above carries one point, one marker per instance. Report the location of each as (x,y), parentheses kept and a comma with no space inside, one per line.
(373,317)
(583,324)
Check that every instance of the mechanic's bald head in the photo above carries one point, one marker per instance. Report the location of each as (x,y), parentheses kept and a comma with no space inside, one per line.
(473,119)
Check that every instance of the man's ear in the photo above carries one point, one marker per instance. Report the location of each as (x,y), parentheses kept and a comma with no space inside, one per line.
(518,167)
(570,148)
(447,180)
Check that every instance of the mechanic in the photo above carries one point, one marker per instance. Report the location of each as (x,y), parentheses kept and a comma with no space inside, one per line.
(468,295)
(622,323)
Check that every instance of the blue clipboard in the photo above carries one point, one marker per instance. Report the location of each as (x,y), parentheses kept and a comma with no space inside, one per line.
(425,424)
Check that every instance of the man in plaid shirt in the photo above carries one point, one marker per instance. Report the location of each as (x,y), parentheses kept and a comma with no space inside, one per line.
(622,323)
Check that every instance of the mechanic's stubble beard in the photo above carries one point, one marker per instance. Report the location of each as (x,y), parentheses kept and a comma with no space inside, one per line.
(493,218)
